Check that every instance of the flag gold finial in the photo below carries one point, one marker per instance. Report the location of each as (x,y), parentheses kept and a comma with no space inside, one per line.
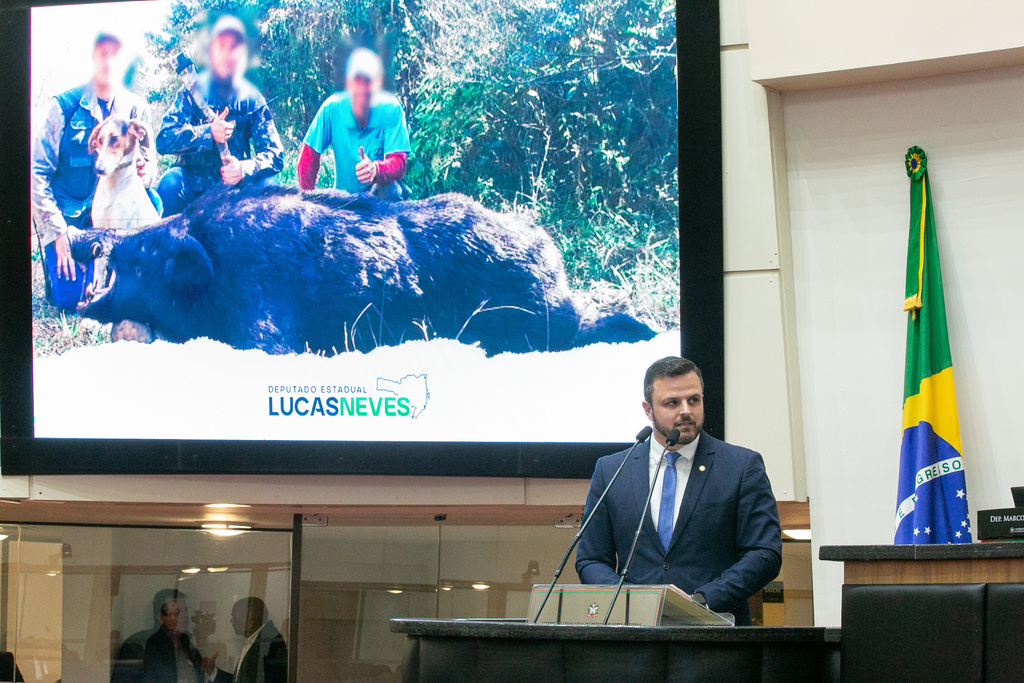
(917,163)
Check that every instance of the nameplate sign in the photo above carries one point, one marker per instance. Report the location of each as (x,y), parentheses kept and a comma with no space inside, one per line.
(1001,524)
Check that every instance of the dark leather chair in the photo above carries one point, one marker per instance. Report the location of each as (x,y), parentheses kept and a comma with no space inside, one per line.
(8,670)
(1004,633)
(928,632)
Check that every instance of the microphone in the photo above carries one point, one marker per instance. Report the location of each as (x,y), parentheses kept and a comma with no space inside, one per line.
(640,438)
(671,440)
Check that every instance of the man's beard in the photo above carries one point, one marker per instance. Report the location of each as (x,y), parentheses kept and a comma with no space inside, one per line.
(685,438)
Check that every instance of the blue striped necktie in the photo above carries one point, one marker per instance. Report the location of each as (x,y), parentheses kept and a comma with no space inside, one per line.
(668,502)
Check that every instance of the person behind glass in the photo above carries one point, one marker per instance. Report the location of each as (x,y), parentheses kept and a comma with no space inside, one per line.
(713,525)
(365,127)
(63,174)
(126,667)
(243,122)
(170,656)
(264,655)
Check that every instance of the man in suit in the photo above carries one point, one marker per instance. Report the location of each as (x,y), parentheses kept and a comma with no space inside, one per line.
(170,656)
(127,666)
(713,526)
(264,656)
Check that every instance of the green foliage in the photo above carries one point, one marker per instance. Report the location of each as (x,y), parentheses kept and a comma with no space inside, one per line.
(564,108)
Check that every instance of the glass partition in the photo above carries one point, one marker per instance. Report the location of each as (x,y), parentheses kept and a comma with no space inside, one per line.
(356,579)
(87,604)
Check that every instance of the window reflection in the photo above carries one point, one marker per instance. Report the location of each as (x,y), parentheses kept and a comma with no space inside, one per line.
(90,602)
(356,579)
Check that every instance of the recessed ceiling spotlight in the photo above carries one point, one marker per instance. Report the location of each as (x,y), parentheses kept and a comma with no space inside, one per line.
(481,586)
(221,529)
(226,505)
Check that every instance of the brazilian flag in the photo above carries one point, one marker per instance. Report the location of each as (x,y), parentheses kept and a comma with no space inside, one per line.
(931,503)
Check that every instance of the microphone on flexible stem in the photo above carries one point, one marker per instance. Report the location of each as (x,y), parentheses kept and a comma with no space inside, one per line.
(671,440)
(640,438)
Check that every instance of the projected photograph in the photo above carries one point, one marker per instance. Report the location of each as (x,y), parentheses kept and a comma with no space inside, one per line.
(331,220)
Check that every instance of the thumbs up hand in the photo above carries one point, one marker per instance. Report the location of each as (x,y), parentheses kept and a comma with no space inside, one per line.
(220,128)
(366,170)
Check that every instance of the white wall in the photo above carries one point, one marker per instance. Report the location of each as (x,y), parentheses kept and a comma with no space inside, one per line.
(761,399)
(849,200)
(813,44)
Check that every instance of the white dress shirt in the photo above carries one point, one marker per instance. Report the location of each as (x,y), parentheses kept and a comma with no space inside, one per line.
(249,642)
(683,464)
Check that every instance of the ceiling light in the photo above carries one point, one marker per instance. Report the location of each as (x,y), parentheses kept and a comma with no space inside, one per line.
(216,570)
(191,570)
(446,588)
(226,505)
(480,586)
(226,529)
(395,591)
(53,573)
(798,534)
(3,537)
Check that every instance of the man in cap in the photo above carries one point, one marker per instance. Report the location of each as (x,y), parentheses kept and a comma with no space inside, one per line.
(243,122)
(365,126)
(63,175)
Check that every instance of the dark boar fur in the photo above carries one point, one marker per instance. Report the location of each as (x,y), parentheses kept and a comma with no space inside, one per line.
(285,271)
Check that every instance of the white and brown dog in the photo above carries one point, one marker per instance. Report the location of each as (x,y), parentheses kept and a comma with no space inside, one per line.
(121,202)
(121,205)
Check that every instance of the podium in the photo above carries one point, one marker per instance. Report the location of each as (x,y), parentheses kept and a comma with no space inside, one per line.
(661,605)
(513,651)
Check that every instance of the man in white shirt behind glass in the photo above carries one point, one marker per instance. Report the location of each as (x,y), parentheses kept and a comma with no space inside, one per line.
(264,655)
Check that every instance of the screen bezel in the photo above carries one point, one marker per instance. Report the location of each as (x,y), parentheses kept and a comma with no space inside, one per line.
(701,315)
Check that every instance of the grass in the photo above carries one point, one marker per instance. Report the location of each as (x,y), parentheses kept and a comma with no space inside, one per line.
(53,330)
(618,265)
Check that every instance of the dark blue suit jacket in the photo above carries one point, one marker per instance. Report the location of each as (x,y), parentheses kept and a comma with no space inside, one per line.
(727,542)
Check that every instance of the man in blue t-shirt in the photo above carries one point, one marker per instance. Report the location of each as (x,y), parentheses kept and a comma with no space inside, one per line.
(365,127)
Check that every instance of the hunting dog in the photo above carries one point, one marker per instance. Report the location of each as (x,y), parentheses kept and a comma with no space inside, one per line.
(121,202)
(122,205)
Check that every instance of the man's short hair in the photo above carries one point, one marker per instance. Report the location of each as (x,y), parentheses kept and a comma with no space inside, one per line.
(254,608)
(163,597)
(669,366)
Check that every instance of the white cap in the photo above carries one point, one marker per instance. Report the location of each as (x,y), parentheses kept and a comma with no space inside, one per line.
(364,62)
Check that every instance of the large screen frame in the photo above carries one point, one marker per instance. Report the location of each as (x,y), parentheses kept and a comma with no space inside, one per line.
(701,315)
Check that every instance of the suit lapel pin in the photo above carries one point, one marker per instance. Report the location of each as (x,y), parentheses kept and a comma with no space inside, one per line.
(702,468)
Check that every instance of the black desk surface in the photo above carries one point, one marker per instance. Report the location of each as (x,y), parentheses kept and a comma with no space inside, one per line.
(486,628)
(944,551)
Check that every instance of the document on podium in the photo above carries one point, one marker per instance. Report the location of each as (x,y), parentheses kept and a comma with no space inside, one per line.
(638,605)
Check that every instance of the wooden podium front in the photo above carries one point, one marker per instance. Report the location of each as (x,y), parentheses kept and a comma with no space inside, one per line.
(953,563)
(513,651)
